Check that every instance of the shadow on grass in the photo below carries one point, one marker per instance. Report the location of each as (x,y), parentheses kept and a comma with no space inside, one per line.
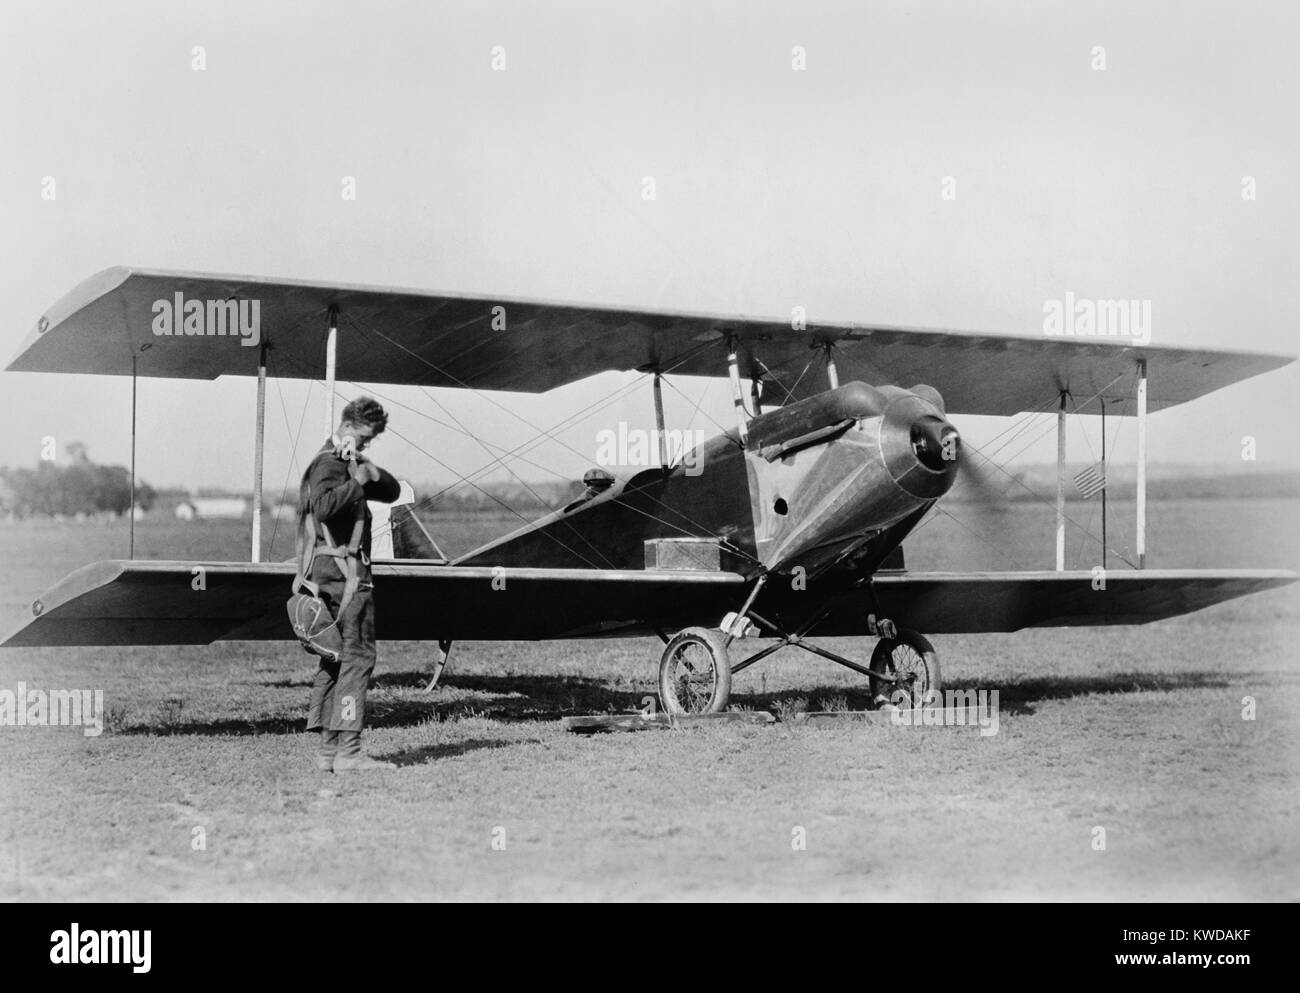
(219,728)
(1014,697)
(432,753)
(534,698)
(545,699)
(381,713)
(391,704)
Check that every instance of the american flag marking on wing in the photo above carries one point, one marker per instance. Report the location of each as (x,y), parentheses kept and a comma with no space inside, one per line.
(1091,480)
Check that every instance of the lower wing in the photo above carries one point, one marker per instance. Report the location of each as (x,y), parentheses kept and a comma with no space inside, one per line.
(950,603)
(195,603)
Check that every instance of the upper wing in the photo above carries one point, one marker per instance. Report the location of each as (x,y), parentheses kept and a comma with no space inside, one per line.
(415,338)
(155,603)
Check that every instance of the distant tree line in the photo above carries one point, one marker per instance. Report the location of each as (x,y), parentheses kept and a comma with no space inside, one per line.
(79,487)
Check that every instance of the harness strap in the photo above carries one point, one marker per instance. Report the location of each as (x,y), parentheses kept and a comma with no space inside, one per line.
(314,540)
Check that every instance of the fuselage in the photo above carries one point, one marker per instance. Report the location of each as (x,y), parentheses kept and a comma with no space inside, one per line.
(831,482)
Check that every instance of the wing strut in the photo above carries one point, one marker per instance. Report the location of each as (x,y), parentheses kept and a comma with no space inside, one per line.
(1060,485)
(1101,409)
(331,364)
(258,451)
(737,394)
(832,374)
(1141,536)
(133,385)
(659,420)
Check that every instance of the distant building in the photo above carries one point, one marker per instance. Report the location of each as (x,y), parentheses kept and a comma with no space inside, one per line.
(212,507)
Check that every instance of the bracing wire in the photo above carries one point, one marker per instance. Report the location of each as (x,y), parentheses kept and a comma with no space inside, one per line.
(549,434)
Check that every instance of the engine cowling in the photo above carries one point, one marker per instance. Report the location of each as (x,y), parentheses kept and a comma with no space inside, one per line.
(830,472)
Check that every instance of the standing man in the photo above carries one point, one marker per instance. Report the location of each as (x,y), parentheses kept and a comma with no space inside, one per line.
(335,488)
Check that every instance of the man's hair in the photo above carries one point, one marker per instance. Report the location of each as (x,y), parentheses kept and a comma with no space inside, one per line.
(367,411)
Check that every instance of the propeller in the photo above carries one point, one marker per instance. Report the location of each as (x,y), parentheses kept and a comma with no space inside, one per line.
(981,484)
(979,481)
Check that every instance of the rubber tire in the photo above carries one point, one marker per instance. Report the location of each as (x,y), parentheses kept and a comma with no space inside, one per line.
(881,657)
(715,643)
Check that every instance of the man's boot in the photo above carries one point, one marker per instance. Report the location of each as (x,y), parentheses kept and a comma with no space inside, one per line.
(329,746)
(351,759)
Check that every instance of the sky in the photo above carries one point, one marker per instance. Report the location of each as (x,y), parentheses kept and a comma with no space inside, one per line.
(775,186)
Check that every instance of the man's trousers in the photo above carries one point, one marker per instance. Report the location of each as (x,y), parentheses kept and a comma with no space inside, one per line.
(338,696)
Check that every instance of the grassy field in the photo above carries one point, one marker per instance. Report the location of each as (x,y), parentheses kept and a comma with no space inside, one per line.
(1134,730)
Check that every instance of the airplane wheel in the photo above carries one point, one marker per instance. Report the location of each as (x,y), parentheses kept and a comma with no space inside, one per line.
(909,653)
(695,673)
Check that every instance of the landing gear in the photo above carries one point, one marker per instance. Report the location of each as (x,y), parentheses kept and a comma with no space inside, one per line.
(695,669)
(695,673)
(444,655)
(906,663)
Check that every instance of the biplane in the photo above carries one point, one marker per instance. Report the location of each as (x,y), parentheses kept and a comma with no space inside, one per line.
(790,529)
